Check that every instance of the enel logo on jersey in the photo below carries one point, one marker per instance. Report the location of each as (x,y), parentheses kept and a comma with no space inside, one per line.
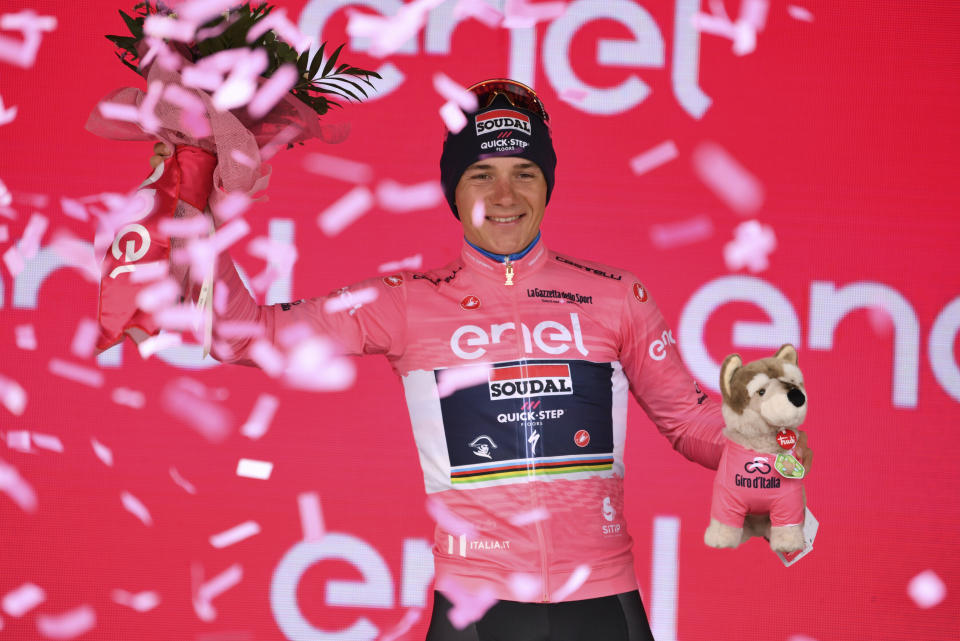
(530,380)
(557,341)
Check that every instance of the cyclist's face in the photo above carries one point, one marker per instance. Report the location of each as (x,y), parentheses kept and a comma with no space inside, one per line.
(514,194)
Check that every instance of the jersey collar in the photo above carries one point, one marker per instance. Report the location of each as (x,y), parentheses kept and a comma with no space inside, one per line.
(525,262)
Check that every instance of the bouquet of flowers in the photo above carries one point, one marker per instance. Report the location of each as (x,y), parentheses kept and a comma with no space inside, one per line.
(225,90)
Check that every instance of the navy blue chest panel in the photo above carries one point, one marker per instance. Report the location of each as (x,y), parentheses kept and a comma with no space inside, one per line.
(531,417)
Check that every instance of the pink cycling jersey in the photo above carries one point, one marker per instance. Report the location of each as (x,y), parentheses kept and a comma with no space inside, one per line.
(747,483)
(540,422)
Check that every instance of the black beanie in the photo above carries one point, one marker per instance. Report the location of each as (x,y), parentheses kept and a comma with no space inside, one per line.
(498,130)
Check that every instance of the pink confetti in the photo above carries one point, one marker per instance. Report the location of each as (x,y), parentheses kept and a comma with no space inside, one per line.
(479,10)
(389,34)
(349,299)
(799,13)
(150,346)
(195,408)
(479,213)
(457,378)
(158,51)
(453,117)
(447,520)
(273,90)
(182,482)
(231,206)
(14,261)
(169,28)
(68,625)
(25,337)
(339,168)
(202,76)
(128,397)
(32,26)
(239,329)
(403,626)
(194,114)
(148,115)
(742,33)
(76,373)
(727,178)
(315,365)
(242,158)
(32,233)
(654,157)
(280,141)
(158,296)
(47,442)
(19,491)
(147,272)
(579,576)
(214,588)
(221,295)
(521,14)
(32,200)
(345,211)
(526,587)
(73,209)
(532,516)
(752,244)
(667,236)
(281,25)
(19,440)
(467,606)
(311,516)
(201,11)
(267,357)
(179,317)
(754,13)
(85,338)
(7,115)
(4,234)
(13,397)
(77,254)
(800,637)
(254,469)
(259,421)
(133,505)
(141,601)
(239,87)
(5,196)
(18,602)
(103,452)
(393,196)
(927,589)
(235,534)
(881,320)
(412,263)
(573,95)
(115,111)
(453,92)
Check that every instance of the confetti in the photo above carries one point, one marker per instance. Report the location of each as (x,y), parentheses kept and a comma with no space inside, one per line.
(467,606)
(253,469)
(743,32)
(579,576)
(185,227)
(32,26)
(752,244)
(133,505)
(141,601)
(754,13)
(393,196)
(179,317)
(294,334)
(78,254)
(654,157)
(668,236)
(200,11)
(453,117)
(169,28)
(242,158)
(19,440)
(158,296)
(447,520)
(5,196)
(799,13)
(73,209)
(339,168)
(414,263)
(235,534)
(521,14)
(927,589)
(259,421)
(389,34)
(283,138)
(7,115)
(453,379)
(32,233)
(4,234)
(526,587)
(47,442)
(480,11)
(573,95)
(231,206)
(85,338)
(800,637)
(25,337)
(345,211)
(267,357)
(194,407)
(349,299)
(102,451)
(239,329)
(532,516)
(214,588)
(18,602)
(281,25)
(727,178)
(149,272)
(14,486)
(403,626)
(239,87)
(150,346)
(14,261)
(76,373)
(182,482)
(315,365)
(311,516)
(13,397)
(450,90)
(274,89)
(68,625)
(479,213)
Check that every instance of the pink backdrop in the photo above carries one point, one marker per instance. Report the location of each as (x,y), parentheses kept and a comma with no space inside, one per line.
(849,124)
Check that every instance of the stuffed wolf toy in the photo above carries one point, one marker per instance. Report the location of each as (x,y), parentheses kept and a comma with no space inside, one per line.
(763,402)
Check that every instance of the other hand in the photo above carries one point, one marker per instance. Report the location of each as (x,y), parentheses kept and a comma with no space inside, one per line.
(161,151)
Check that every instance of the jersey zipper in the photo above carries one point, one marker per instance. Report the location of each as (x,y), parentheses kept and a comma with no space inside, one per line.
(534,484)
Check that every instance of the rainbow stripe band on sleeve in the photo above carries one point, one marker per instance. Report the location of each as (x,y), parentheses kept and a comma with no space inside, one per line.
(532,466)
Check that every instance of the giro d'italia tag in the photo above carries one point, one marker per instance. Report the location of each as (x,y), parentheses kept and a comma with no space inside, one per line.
(787,439)
(789,467)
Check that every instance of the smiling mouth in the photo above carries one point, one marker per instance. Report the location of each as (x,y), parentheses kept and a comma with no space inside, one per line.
(504,220)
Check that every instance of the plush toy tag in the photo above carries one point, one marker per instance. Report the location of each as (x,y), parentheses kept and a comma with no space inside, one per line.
(789,467)
(810,527)
(787,439)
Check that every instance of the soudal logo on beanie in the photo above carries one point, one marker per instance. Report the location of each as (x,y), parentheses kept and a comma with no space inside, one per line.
(501,119)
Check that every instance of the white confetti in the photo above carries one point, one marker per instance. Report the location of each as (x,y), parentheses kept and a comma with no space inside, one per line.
(103,452)
(259,421)
(7,115)
(412,263)
(685,232)
(235,534)
(133,505)
(213,588)
(18,602)
(253,469)
(85,338)
(77,373)
(727,178)
(141,601)
(345,211)
(453,117)
(654,157)
(752,244)
(129,397)
(526,587)
(150,346)
(25,337)
(182,482)
(15,487)
(13,397)
(68,625)
(339,168)
(457,378)
(927,589)
(19,440)
(579,576)
(311,516)
(47,442)
(479,213)
(393,196)
(799,13)
(350,299)
(531,516)
(450,90)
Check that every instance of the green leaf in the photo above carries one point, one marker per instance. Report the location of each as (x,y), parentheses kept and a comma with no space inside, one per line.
(331,62)
(136,28)
(317,59)
(135,69)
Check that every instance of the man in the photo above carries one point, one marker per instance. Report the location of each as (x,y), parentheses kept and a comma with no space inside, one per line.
(529,454)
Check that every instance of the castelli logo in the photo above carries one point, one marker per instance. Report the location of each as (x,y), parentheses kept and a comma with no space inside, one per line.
(393,281)
(640,292)
(582,438)
(470,302)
